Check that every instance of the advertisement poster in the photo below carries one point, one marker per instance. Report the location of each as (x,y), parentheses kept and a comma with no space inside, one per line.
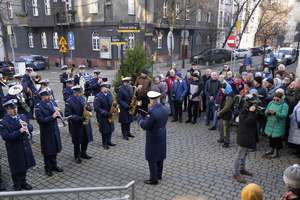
(105,47)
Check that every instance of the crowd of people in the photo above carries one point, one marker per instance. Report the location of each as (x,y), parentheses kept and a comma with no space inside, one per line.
(260,103)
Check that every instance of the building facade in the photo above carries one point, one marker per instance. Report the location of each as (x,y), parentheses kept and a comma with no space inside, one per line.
(89,25)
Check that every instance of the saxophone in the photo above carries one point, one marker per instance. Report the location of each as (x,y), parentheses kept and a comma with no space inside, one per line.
(114,110)
(87,114)
(133,103)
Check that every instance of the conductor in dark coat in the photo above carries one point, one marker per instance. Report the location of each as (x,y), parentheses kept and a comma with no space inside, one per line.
(156,141)
(81,134)
(124,100)
(46,114)
(102,107)
(15,129)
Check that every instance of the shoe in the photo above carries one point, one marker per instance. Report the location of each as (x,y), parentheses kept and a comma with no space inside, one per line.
(85,156)
(188,121)
(26,186)
(180,120)
(78,160)
(57,169)
(239,179)
(207,124)
(225,145)
(2,188)
(17,188)
(130,135)
(151,182)
(125,138)
(220,141)
(106,147)
(159,178)
(246,173)
(48,172)
(212,128)
(111,144)
(174,120)
(275,154)
(268,154)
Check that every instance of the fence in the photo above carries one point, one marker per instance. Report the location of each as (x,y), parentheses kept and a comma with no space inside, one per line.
(21,194)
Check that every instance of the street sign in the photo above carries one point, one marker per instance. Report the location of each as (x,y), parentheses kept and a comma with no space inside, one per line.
(71,41)
(63,45)
(129,28)
(231,42)
(117,40)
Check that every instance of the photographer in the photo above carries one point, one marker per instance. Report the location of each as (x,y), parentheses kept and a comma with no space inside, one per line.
(246,139)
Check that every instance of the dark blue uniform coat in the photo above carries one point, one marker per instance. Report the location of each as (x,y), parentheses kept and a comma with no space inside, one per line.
(74,110)
(155,126)
(94,85)
(67,93)
(49,131)
(124,99)
(102,106)
(63,78)
(19,152)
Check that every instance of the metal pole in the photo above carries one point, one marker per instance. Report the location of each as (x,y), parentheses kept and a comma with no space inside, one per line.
(133,191)
(183,43)
(12,48)
(122,51)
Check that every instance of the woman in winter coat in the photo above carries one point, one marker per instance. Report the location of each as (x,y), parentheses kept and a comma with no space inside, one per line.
(276,112)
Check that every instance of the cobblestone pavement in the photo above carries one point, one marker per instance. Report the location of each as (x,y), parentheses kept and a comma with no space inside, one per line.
(196,164)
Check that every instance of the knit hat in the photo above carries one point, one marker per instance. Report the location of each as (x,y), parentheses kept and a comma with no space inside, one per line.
(291,176)
(252,192)
(270,80)
(258,79)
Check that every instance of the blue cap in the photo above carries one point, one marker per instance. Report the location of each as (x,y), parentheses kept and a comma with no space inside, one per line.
(44,92)
(10,103)
(44,81)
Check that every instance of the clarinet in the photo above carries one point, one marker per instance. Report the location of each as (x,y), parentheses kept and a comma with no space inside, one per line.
(60,117)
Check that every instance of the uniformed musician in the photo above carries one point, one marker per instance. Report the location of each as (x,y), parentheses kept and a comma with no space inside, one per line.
(80,74)
(46,114)
(44,84)
(15,130)
(81,134)
(102,107)
(95,82)
(64,75)
(156,145)
(124,100)
(67,91)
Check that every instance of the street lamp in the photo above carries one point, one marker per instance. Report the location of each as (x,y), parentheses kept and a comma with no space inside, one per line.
(296,12)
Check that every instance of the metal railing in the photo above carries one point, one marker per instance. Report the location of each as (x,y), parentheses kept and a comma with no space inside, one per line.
(11,195)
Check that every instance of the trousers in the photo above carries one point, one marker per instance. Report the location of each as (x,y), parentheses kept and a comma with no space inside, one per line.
(106,138)
(225,131)
(240,160)
(125,129)
(156,169)
(19,178)
(177,109)
(193,110)
(50,161)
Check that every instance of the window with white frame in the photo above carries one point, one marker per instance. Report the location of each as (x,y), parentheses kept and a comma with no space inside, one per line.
(187,14)
(44,40)
(131,7)
(30,40)
(160,41)
(47,7)
(10,10)
(93,7)
(199,15)
(95,41)
(131,40)
(55,40)
(165,9)
(177,10)
(209,17)
(35,10)
(68,4)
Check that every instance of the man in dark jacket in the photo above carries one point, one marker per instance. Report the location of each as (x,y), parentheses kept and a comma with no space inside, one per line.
(212,88)
(102,107)
(67,91)
(156,139)
(246,140)
(46,114)
(124,99)
(195,90)
(15,130)
(81,133)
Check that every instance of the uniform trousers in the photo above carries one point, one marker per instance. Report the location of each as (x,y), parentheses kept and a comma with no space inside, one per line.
(50,161)
(106,138)
(19,178)
(156,169)
(80,147)
(125,127)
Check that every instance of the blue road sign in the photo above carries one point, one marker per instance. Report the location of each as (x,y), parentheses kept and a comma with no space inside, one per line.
(71,41)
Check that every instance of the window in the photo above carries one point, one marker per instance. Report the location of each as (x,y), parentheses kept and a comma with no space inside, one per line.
(165,9)
(221,20)
(68,4)
(131,40)
(30,40)
(177,10)
(199,15)
(208,17)
(131,7)
(187,14)
(160,41)
(95,41)
(93,7)
(47,7)
(10,10)
(44,40)
(35,10)
(55,40)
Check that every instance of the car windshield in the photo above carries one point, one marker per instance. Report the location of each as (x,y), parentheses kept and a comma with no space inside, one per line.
(38,58)
(285,51)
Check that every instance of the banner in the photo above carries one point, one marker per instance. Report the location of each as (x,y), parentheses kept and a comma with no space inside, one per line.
(105,47)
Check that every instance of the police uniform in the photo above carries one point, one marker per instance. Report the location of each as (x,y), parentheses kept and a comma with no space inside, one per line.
(124,99)
(95,82)
(19,152)
(49,133)
(81,134)
(156,144)
(44,85)
(67,91)
(102,107)
(79,75)
(64,76)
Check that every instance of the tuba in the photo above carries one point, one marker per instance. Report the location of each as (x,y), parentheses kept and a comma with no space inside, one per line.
(114,110)
(133,103)
(17,90)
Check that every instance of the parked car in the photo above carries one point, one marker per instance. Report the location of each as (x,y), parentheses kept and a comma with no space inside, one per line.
(212,55)
(289,53)
(7,69)
(256,51)
(266,47)
(36,62)
(281,59)
(241,53)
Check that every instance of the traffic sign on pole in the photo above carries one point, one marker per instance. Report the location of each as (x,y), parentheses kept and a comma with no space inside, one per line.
(63,45)
(231,42)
